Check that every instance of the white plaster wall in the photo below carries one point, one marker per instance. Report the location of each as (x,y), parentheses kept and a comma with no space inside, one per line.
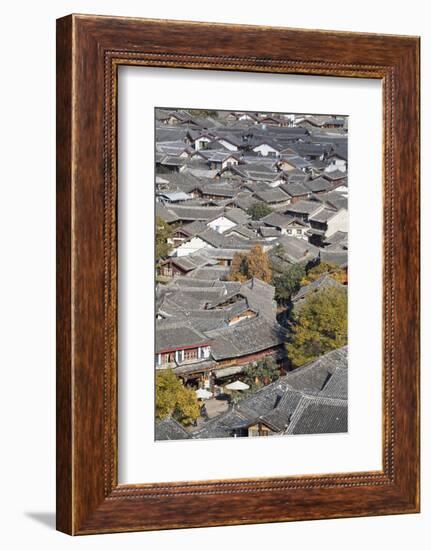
(228,145)
(193,245)
(221,224)
(340,222)
(264,149)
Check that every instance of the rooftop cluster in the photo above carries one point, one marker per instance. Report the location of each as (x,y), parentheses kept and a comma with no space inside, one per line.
(234,189)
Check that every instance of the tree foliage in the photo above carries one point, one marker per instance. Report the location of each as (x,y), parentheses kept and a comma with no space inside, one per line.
(239,267)
(172,398)
(261,373)
(288,282)
(163,235)
(258,210)
(205,113)
(323,268)
(319,327)
(252,264)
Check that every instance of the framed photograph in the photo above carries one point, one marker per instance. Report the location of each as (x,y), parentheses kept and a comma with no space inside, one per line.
(237,274)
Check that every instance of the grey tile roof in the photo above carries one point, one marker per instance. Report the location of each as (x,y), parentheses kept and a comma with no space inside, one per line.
(237,215)
(319,416)
(175,299)
(200,295)
(260,297)
(273,196)
(230,138)
(177,335)
(165,213)
(174,196)
(225,253)
(334,175)
(260,176)
(180,178)
(323,215)
(213,238)
(311,378)
(311,149)
(275,219)
(318,184)
(295,189)
(230,288)
(236,309)
(334,199)
(340,150)
(193,228)
(325,281)
(204,320)
(170,134)
(169,148)
(251,336)
(303,207)
(170,429)
(179,282)
(192,213)
(219,190)
(298,250)
(224,372)
(169,160)
(268,232)
(338,239)
(257,186)
(279,418)
(263,401)
(318,165)
(201,366)
(333,257)
(308,400)
(336,387)
(221,426)
(218,155)
(258,164)
(245,201)
(192,261)
(242,231)
(201,172)
(297,161)
(210,273)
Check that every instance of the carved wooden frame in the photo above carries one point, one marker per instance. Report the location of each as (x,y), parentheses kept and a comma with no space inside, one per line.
(89,51)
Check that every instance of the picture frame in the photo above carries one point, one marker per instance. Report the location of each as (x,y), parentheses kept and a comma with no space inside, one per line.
(89,51)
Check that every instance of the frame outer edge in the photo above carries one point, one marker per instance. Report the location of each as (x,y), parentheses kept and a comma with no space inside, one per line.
(407,280)
(64,367)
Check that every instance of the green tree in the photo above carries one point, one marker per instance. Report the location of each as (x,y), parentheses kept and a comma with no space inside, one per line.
(172,398)
(258,210)
(288,282)
(204,113)
(253,264)
(279,250)
(319,327)
(163,235)
(261,373)
(323,268)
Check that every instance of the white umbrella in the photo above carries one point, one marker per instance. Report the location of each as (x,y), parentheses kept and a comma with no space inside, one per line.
(238,385)
(201,393)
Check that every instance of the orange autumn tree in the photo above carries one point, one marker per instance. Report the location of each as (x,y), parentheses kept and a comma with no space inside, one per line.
(252,264)
(238,268)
